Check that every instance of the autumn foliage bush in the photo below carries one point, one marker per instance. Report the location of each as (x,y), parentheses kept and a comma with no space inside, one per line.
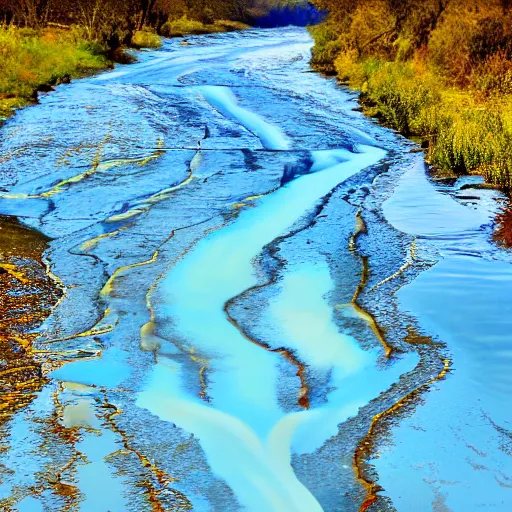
(146,38)
(185,26)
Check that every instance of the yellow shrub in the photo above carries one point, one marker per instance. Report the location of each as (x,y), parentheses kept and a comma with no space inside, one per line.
(146,38)
(182,27)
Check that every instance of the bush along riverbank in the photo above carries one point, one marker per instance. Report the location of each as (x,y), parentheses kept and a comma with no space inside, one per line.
(184,26)
(36,60)
(33,61)
(437,70)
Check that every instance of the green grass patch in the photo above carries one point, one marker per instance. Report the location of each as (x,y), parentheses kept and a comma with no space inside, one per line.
(440,72)
(464,132)
(31,61)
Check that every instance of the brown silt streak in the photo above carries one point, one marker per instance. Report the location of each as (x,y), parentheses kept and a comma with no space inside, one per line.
(303,399)
(365,447)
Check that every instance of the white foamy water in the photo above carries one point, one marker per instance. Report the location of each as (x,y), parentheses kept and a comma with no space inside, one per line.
(223,100)
(245,434)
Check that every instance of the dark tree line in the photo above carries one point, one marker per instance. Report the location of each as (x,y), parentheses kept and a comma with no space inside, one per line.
(34,13)
(115,20)
(458,35)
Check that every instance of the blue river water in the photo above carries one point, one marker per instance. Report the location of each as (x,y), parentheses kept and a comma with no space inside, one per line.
(230,235)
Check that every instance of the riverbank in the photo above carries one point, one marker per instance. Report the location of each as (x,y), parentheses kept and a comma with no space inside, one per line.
(35,61)
(439,75)
(28,295)
(71,42)
(460,131)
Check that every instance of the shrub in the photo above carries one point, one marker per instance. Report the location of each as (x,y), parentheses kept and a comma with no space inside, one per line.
(185,26)
(490,38)
(146,38)
(230,26)
(476,140)
(328,46)
(494,75)
(349,69)
(401,97)
(440,70)
(182,27)
(449,46)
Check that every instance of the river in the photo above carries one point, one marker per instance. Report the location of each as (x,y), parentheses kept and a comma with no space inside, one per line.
(262,300)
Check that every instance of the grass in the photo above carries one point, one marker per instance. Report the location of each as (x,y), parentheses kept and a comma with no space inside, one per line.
(185,26)
(443,75)
(32,61)
(462,129)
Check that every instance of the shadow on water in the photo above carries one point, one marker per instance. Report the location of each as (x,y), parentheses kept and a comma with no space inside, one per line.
(301,15)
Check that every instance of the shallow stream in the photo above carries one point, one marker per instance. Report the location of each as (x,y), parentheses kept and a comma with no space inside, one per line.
(267,304)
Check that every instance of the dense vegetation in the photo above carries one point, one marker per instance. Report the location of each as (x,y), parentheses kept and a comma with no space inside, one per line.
(440,70)
(116,21)
(113,22)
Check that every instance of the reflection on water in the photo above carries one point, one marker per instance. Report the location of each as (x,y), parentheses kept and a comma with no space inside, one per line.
(465,300)
(27,294)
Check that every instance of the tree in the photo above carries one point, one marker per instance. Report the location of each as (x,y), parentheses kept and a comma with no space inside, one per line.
(31,13)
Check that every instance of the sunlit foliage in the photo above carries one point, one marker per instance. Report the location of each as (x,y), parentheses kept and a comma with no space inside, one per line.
(45,42)
(115,21)
(31,60)
(437,69)
(146,38)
